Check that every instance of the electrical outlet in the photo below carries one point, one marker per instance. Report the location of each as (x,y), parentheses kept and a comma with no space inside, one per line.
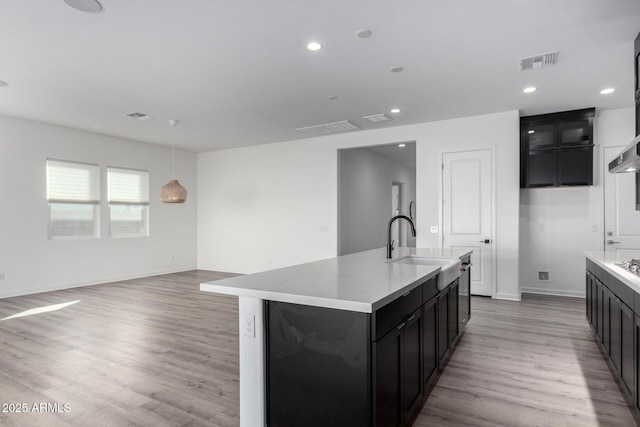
(1,276)
(173,258)
(249,326)
(434,229)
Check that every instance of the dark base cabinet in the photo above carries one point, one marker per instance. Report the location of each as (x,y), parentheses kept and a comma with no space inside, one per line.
(616,327)
(430,341)
(327,367)
(318,364)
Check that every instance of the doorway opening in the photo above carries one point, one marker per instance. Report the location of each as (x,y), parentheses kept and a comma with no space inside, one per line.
(373,184)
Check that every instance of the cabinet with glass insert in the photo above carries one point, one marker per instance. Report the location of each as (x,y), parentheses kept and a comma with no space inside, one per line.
(557,149)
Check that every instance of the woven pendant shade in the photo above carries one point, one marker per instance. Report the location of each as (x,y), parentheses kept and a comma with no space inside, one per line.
(173,192)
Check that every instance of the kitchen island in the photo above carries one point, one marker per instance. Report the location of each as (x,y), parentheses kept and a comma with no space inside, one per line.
(352,340)
(613,312)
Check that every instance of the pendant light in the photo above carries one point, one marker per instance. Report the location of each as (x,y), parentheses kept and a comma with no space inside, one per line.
(173,192)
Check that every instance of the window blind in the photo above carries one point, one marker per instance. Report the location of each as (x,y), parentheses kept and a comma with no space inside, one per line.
(128,186)
(71,182)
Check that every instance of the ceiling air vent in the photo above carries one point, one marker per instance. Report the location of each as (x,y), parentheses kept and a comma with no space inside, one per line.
(138,116)
(327,128)
(538,61)
(377,118)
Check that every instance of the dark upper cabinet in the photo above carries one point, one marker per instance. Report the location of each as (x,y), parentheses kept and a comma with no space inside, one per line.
(557,149)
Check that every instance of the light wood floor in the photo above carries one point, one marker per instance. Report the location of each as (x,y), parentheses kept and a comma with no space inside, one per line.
(529,363)
(158,352)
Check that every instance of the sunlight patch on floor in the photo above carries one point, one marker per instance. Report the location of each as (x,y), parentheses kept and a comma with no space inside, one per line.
(39,310)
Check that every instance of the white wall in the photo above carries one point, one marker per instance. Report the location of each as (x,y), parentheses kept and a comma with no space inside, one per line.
(500,133)
(32,263)
(365,188)
(558,224)
(276,205)
(267,206)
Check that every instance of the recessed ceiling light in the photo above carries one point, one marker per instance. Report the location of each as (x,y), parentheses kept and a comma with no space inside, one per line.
(402,145)
(531,131)
(90,6)
(3,84)
(313,46)
(363,34)
(529,89)
(396,69)
(607,91)
(395,110)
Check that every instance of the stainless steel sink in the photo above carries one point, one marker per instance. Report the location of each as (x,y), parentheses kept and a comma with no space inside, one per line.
(449,268)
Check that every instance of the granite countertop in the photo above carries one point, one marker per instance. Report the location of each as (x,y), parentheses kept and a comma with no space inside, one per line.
(608,260)
(363,282)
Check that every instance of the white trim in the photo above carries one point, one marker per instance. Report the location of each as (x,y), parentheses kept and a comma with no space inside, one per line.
(252,363)
(554,292)
(507,297)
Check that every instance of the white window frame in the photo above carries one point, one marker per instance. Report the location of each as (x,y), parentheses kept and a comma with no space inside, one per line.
(121,193)
(69,191)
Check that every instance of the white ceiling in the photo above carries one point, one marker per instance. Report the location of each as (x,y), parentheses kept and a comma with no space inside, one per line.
(237,73)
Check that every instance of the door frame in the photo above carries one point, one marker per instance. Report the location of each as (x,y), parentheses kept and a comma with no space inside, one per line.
(492,151)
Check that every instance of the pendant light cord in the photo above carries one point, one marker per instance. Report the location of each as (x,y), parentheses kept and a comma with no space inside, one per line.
(173,161)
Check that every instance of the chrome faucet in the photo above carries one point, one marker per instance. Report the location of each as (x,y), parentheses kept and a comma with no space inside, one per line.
(389,241)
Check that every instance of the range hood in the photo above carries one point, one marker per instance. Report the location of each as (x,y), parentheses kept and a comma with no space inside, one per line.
(628,160)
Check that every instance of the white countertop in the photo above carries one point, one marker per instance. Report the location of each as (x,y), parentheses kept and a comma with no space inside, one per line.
(608,260)
(364,281)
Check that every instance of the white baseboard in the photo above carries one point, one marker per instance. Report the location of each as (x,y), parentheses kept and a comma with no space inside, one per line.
(507,297)
(59,287)
(555,292)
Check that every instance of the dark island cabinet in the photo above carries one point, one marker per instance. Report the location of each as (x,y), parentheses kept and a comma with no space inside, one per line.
(328,367)
(398,372)
(430,341)
(448,321)
(616,327)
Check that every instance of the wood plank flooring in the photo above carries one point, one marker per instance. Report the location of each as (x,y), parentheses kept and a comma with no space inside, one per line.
(158,352)
(529,363)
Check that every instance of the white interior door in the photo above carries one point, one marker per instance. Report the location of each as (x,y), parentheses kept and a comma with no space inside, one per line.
(621,220)
(467,200)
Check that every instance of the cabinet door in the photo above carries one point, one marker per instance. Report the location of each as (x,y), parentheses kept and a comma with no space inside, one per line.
(540,168)
(594,303)
(597,315)
(588,283)
(443,326)
(411,363)
(576,166)
(605,318)
(626,344)
(387,379)
(615,338)
(453,313)
(636,360)
(430,342)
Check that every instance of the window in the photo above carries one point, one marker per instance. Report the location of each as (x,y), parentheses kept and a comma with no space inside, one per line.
(128,202)
(73,194)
